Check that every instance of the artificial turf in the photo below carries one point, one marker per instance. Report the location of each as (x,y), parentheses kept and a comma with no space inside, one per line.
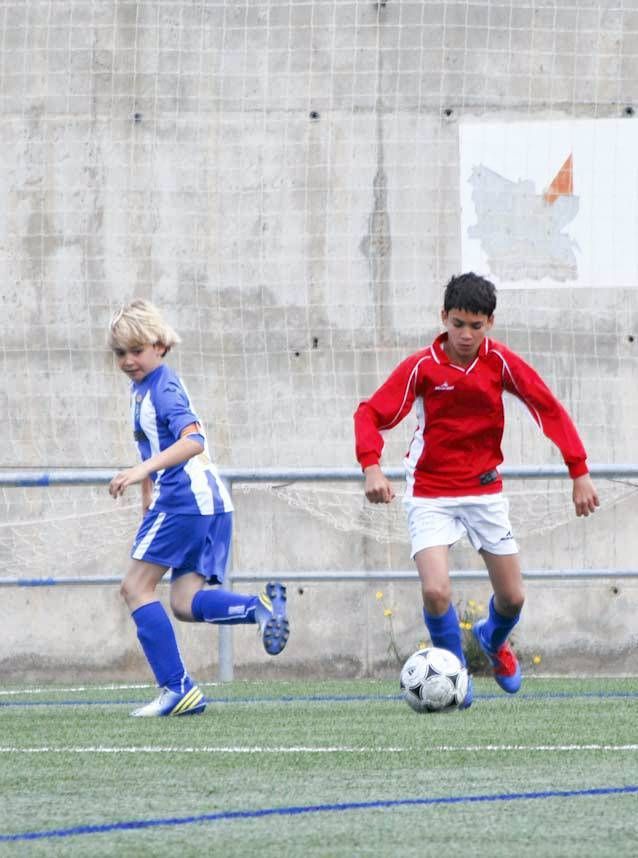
(322,769)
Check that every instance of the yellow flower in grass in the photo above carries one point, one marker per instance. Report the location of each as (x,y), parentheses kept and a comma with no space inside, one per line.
(379,595)
(536,659)
(387,612)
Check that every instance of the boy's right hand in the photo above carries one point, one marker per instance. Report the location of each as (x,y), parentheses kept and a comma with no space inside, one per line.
(126,478)
(378,488)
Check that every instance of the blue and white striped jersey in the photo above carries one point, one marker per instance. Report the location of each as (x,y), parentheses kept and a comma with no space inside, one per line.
(160,410)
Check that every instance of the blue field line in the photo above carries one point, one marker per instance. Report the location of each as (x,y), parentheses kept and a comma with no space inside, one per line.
(316,698)
(298,810)
(332,698)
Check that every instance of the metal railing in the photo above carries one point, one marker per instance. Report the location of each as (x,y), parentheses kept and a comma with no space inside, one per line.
(34,477)
(24,477)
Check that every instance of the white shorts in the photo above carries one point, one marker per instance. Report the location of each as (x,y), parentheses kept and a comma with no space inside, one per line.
(443,521)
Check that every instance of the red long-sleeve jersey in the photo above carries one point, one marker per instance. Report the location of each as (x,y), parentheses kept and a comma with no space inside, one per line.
(456,447)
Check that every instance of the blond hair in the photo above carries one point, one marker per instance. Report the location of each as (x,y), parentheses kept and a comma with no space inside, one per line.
(138,324)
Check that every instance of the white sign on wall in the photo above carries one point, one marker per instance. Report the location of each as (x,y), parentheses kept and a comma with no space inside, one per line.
(550,203)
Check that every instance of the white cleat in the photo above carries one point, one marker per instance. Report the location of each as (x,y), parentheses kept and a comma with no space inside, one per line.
(192,702)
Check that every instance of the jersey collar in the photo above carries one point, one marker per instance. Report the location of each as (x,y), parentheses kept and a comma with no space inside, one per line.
(440,356)
(142,386)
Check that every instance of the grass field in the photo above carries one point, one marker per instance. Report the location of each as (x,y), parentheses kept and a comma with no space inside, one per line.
(322,769)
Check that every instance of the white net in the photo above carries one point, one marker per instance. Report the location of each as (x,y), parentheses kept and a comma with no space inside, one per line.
(65,533)
(290,181)
(80,532)
(536,508)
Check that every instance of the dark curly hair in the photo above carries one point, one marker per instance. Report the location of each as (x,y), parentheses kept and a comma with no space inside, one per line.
(471,293)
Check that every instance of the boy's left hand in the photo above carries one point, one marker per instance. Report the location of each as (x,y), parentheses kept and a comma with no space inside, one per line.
(126,478)
(584,495)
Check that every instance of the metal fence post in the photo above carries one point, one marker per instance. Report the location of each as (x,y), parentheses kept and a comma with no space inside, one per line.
(225,636)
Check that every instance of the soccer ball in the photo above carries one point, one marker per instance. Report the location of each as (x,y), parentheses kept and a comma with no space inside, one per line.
(433,680)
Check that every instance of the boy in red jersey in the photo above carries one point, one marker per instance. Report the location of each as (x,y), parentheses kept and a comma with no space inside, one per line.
(453,483)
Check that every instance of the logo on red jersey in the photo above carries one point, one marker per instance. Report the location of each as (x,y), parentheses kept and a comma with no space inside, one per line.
(444,386)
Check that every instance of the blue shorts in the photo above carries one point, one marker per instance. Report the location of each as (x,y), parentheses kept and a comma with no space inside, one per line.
(186,543)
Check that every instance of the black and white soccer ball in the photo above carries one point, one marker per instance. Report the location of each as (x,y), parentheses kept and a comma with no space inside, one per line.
(433,680)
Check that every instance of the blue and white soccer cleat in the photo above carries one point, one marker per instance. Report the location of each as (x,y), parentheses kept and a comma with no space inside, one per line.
(192,702)
(507,671)
(270,613)
(469,694)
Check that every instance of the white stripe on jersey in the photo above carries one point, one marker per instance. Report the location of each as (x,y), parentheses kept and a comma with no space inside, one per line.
(417,446)
(199,486)
(132,406)
(411,380)
(204,497)
(148,422)
(202,493)
(145,544)
(223,491)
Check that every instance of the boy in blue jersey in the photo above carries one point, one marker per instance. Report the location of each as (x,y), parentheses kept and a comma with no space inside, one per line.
(187,522)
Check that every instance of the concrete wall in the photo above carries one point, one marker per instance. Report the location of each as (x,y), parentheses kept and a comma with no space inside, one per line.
(284,180)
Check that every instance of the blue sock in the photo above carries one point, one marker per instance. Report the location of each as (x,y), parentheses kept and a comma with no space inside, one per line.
(157,637)
(445,631)
(497,627)
(223,606)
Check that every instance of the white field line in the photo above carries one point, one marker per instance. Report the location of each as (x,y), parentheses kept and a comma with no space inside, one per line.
(203,750)
(115,687)
(305,749)
(535,748)
(55,690)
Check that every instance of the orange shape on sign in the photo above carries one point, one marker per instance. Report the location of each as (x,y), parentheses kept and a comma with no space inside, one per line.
(563,183)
